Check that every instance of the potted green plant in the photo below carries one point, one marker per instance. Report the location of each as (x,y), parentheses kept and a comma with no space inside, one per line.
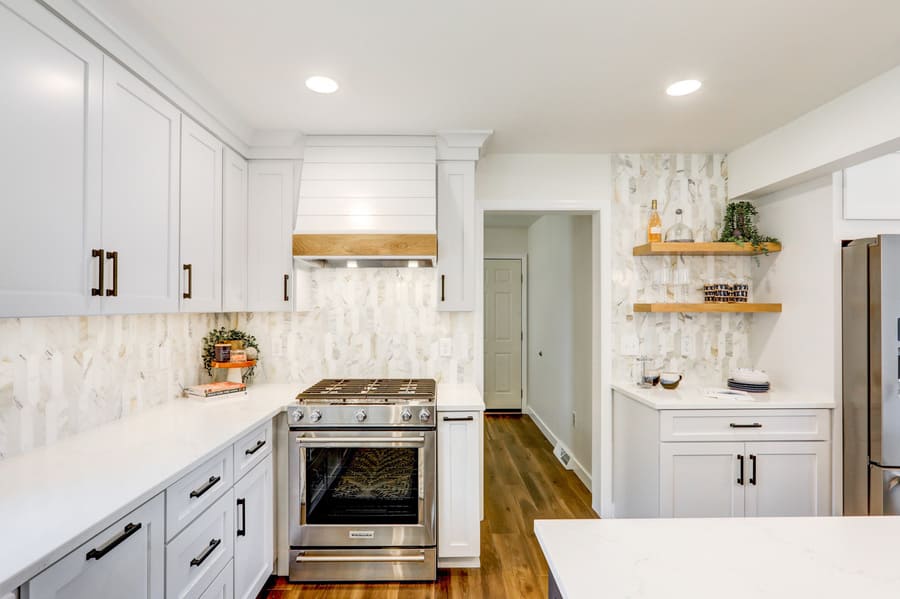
(740,227)
(223,335)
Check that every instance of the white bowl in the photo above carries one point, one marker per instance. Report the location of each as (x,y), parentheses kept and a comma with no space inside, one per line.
(749,376)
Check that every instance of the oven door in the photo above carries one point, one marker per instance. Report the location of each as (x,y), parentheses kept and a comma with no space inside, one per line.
(363,488)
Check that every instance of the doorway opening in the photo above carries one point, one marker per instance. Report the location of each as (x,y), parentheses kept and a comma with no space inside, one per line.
(538,343)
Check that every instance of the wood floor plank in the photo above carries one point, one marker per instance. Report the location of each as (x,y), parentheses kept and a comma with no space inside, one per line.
(523,481)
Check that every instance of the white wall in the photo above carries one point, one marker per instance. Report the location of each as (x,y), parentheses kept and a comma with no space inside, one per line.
(559,327)
(505,242)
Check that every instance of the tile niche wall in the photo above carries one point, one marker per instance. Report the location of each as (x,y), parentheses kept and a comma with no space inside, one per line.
(61,376)
(696,183)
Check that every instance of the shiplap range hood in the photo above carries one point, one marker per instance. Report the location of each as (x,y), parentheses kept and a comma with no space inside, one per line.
(367,200)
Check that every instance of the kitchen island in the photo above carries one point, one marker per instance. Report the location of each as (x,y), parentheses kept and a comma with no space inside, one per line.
(772,558)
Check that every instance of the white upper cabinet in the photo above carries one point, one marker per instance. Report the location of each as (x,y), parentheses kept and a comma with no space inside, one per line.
(872,189)
(367,184)
(140,195)
(50,115)
(456,235)
(201,219)
(269,223)
(234,236)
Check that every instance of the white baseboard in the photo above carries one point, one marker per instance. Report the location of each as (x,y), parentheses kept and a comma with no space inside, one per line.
(574,465)
(459,562)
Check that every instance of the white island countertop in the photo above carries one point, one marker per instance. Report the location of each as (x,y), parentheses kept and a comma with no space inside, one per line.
(461,397)
(57,496)
(693,397)
(771,558)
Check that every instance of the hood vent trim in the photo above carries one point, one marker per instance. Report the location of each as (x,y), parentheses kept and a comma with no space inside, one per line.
(363,246)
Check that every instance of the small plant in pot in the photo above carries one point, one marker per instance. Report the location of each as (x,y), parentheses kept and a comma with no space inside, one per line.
(740,227)
(223,335)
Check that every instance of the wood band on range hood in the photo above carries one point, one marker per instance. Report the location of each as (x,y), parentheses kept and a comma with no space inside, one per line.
(365,244)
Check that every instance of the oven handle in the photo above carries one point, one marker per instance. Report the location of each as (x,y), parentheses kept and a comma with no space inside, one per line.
(364,441)
(361,558)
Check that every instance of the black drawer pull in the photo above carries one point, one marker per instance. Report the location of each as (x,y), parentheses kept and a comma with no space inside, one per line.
(459,419)
(242,531)
(259,445)
(753,470)
(99,552)
(740,479)
(754,425)
(206,552)
(443,280)
(206,486)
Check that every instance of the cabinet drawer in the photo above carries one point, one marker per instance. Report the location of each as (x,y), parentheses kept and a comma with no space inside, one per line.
(251,449)
(223,586)
(197,555)
(123,561)
(197,490)
(744,425)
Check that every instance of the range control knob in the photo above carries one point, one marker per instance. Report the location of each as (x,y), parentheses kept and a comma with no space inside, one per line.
(360,416)
(406,415)
(315,416)
(297,415)
(424,415)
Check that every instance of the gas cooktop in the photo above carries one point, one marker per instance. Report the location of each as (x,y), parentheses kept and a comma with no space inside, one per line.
(333,391)
(365,402)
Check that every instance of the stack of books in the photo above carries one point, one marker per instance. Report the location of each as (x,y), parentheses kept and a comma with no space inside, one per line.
(213,389)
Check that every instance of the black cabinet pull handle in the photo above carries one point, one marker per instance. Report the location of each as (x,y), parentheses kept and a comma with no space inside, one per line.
(206,552)
(98,290)
(99,552)
(443,280)
(190,286)
(753,469)
(740,479)
(242,531)
(754,425)
(114,292)
(206,486)
(458,419)
(286,279)
(259,445)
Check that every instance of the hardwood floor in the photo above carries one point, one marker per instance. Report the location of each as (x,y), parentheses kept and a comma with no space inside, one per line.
(523,482)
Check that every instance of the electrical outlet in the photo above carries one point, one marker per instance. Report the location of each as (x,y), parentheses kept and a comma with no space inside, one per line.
(629,345)
(687,345)
(445,347)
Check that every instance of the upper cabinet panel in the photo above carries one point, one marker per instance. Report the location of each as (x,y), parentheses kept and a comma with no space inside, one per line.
(234,233)
(140,195)
(367,184)
(201,219)
(269,261)
(50,115)
(456,269)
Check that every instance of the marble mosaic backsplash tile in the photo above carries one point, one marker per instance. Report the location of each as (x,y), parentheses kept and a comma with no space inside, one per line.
(61,376)
(696,183)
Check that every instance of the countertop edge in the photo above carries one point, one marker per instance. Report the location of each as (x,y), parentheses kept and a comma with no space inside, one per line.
(754,404)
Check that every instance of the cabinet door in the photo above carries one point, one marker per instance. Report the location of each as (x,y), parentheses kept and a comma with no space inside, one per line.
(701,480)
(788,479)
(50,115)
(201,219)
(253,520)
(456,240)
(269,227)
(124,561)
(140,195)
(234,233)
(459,504)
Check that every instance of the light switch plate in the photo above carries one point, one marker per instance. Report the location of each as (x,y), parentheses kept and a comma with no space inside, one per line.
(687,345)
(445,347)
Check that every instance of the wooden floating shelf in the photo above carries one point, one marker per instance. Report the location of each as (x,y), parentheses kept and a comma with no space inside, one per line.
(719,308)
(247,364)
(711,248)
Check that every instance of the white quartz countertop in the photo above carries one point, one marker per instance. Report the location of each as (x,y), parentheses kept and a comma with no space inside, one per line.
(692,397)
(55,497)
(463,397)
(774,558)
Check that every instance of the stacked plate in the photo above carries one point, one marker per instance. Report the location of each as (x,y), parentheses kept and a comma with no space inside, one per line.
(751,381)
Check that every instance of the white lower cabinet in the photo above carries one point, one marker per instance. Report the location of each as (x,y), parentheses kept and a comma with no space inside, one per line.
(124,561)
(254,528)
(196,556)
(459,489)
(700,480)
(788,479)
(223,586)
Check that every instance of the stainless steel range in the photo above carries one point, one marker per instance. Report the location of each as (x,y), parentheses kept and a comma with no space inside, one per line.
(363,502)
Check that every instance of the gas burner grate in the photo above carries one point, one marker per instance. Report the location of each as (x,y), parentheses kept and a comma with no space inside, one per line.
(334,389)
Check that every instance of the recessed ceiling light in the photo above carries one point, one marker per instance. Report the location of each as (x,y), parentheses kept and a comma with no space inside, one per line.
(683,88)
(322,85)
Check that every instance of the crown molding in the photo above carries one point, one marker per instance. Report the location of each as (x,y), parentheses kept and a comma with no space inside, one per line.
(461,144)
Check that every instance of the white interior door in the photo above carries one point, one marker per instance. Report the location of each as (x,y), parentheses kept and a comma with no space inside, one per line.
(503,334)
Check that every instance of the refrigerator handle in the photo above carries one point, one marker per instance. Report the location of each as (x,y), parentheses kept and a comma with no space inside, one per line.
(893,483)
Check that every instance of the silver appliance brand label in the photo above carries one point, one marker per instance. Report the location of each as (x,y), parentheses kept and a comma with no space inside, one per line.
(362,534)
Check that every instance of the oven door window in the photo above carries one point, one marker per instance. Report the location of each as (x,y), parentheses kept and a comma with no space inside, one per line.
(362,485)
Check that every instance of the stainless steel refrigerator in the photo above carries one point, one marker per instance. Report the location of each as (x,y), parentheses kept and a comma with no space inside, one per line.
(871,369)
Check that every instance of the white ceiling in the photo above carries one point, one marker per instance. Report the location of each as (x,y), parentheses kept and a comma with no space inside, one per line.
(563,76)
